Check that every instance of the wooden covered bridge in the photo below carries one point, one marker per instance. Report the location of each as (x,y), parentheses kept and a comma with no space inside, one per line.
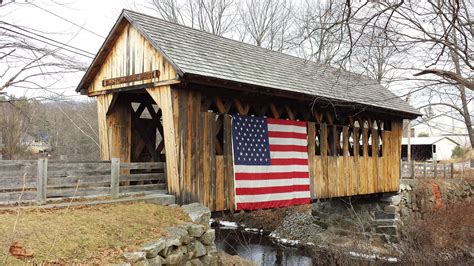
(167,92)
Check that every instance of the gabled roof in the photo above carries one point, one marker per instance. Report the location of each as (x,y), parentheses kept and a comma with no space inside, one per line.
(425,140)
(195,52)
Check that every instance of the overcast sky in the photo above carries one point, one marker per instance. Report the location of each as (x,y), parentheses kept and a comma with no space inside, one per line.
(97,16)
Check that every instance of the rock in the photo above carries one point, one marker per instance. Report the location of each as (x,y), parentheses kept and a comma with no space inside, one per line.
(152,249)
(198,213)
(197,249)
(387,229)
(157,261)
(176,236)
(133,257)
(209,260)
(211,250)
(395,199)
(177,256)
(405,212)
(208,237)
(391,209)
(194,262)
(196,230)
(381,215)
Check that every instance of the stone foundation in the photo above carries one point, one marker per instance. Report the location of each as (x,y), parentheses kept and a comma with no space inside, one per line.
(184,244)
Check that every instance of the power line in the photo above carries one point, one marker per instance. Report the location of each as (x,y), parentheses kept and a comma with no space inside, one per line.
(58,46)
(65,19)
(41,36)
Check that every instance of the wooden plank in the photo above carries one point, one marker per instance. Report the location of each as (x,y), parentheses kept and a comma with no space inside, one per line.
(220,189)
(355,167)
(115,178)
(103,104)
(42,180)
(324,182)
(162,97)
(212,159)
(311,155)
(80,192)
(72,181)
(345,162)
(143,165)
(142,188)
(14,197)
(228,165)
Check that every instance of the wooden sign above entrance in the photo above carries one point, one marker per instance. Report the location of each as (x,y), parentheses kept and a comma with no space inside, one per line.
(135,77)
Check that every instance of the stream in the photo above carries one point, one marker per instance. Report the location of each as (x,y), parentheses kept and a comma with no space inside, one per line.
(258,248)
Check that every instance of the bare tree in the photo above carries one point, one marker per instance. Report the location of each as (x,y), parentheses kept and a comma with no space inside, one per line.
(439,36)
(214,16)
(267,24)
(14,122)
(317,39)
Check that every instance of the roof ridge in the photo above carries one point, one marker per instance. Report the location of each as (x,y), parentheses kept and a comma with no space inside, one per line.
(247,44)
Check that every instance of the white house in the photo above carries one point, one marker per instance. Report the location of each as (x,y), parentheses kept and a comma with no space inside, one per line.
(429,148)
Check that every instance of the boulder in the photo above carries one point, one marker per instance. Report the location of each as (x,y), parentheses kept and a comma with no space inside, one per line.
(175,236)
(198,213)
(133,257)
(391,209)
(196,230)
(177,256)
(197,249)
(152,249)
(194,262)
(157,261)
(208,237)
(211,249)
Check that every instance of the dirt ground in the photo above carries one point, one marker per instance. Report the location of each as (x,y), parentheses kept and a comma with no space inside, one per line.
(95,235)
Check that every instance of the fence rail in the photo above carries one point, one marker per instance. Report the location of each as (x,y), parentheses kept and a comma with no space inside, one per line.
(432,170)
(41,180)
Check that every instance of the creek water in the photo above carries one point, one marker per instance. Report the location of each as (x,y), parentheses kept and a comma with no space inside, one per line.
(258,248)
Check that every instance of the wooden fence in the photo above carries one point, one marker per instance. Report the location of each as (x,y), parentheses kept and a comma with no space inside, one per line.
(427,170)
(41,180)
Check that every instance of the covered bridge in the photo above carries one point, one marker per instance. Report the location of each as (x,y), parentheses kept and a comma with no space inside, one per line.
(167,92)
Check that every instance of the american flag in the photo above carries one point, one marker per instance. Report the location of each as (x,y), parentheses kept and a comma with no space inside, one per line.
(270,162)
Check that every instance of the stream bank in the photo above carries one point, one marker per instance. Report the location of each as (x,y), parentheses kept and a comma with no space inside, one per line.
(427,221)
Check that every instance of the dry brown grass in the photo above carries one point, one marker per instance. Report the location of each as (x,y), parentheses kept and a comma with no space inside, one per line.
(97,234)
(448,230)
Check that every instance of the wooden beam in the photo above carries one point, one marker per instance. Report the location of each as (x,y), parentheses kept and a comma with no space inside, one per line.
(220,105)
(163,98)
(103,104)
(136,87)
(243,110)
(275,111)
(290,113)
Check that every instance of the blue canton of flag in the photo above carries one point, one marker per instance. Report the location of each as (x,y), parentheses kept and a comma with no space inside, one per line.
(250,141)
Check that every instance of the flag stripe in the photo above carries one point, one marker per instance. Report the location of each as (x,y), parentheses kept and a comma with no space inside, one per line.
(281,141)
(286,122)
(271,182)
(267,175)
(272,196)
(270,190)
(278,134)
(271,204)
(285,128)
(288,148)
(288,154)
(269,168)
(289,161)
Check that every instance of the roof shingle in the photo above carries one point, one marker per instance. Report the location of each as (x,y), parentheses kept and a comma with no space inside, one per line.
(200,53)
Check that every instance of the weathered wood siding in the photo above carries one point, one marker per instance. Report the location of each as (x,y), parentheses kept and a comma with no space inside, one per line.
(131,54)
(348,175)
(349,165)
(204,176)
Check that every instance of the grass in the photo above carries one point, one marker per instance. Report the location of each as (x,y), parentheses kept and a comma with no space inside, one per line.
(97,234)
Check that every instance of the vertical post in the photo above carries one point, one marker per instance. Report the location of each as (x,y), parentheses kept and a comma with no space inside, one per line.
(435,169)
(412,169)
(114,177)
(424,169)
(42,179)
(452,170)
(445,171)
